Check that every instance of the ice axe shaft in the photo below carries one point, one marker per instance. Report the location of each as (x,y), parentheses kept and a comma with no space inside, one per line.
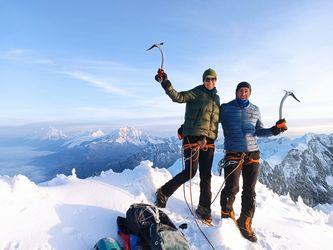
(159,46)
(288,93)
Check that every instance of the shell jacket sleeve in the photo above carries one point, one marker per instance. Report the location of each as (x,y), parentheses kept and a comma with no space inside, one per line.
(260,130)
(180,97)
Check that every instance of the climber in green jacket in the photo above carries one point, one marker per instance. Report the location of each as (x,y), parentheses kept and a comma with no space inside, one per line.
(199,130)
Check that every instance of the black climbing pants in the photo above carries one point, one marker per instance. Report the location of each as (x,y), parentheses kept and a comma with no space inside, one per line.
(202,159)
(249,171)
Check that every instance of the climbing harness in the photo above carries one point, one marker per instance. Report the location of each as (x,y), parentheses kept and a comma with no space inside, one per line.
(195,151)
(226,163)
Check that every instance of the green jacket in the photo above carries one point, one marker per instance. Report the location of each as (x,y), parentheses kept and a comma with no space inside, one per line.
(202,110)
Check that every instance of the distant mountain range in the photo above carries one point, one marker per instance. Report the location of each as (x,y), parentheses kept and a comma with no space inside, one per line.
(301,167)
(91,153)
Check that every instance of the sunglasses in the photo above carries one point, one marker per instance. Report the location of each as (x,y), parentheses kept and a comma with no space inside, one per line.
(208,79)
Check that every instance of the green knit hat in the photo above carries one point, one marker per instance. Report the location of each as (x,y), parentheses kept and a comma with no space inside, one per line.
(209,72)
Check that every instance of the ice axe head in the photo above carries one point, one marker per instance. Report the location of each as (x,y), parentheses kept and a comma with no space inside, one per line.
(288,93)
(159,46)
(292,94)
(156,45)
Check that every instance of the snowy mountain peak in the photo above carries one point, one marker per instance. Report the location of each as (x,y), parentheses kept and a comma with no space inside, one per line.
(97,133)
(125,135)
(308,137)
(84,137)
(128,134)
(50,133)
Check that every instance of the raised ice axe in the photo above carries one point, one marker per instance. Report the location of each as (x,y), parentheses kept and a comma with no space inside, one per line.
(159,46)
(288,93)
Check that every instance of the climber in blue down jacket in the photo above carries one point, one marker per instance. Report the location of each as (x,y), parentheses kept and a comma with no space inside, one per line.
(241,125)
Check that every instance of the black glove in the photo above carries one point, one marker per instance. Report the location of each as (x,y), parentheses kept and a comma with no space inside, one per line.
(279,127)
(161,76)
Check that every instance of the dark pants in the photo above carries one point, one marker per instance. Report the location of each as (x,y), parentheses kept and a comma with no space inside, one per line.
(204,161)
(250,173)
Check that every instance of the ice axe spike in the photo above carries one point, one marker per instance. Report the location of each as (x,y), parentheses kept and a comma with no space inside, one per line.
(288,93)
(292,94)
(159,46)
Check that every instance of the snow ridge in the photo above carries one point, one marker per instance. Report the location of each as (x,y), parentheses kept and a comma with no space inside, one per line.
(72,213)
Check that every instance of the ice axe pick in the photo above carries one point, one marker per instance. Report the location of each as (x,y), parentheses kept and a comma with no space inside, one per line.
(159,46)
(288,93)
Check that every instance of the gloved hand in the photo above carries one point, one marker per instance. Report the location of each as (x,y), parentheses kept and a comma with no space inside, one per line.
(161,76)
(279,127)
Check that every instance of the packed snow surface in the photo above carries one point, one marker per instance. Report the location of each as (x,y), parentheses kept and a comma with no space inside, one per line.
(72,213)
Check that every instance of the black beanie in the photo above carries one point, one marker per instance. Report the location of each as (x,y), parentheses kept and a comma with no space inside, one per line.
(243,85)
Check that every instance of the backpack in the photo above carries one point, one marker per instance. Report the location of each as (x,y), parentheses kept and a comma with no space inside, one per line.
(107,243)
(154,228)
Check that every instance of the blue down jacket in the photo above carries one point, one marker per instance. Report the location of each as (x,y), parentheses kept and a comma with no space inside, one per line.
(241,126)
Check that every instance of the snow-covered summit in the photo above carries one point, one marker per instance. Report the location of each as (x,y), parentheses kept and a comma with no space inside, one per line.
(97,133)
(128,134)
(84,137)
(49,133)
(73,213)
(132,135)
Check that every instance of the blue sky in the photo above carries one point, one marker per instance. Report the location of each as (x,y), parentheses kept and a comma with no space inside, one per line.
(86,61)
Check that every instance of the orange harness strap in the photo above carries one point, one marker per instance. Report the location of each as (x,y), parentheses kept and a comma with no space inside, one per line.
(198,146)
(250,161)
(247,160)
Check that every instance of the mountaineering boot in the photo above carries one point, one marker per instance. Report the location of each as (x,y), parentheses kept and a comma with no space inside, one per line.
(230,214)
(204,214)
(244,225)
(161,199)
